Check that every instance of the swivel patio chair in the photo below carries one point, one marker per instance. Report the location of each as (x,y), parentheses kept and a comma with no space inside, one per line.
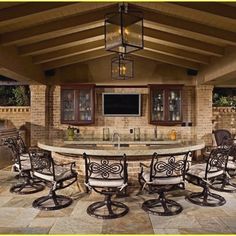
(107,176)
(26,184)
(165,173)
(57,176)
(221,135)
(204,174)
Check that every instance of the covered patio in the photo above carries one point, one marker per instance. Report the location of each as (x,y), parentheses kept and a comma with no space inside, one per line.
(88,99)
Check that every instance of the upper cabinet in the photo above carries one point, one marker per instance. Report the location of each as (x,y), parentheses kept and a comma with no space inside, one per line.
(77,104)
(165,104)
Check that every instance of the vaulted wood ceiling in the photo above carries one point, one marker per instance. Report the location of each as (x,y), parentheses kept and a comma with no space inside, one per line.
(55,34)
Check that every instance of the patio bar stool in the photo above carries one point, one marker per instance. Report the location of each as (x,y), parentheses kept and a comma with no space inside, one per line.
(26,183)
(107,176)
(204,174)
(57,176)
(165,173)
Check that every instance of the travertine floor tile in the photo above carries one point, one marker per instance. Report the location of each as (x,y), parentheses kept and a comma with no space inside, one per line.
(17,217)
(43,222)
(26,230)
(69,225)
(4,200)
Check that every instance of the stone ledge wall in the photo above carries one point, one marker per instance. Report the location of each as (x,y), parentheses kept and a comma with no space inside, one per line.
(224,118)
(15,116)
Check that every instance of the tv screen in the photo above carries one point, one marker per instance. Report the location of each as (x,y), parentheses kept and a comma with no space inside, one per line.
(115,104)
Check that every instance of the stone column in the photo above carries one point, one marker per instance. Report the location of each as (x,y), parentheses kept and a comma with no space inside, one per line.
(39,109)
(204,113)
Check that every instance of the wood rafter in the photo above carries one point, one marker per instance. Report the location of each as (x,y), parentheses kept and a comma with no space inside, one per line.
(167,59)
(75,59)
(186,26)
(215,8)
(62,42)
(67,52)
(98,34)
(56,28)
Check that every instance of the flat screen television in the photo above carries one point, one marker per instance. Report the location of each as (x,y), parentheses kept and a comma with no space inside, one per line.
(120,104)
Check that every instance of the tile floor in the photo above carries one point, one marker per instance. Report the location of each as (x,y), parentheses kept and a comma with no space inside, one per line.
(18,217)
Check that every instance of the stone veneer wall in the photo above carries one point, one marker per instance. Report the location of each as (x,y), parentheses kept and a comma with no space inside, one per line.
(224,118)
(122,124)
(15,116)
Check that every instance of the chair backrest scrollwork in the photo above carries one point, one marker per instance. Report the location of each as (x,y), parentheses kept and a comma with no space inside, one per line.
(105,168)
(222,136)
(169,165)
(217,161)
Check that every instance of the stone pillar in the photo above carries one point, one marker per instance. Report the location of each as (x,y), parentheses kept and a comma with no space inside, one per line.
(39,111)
(204,113)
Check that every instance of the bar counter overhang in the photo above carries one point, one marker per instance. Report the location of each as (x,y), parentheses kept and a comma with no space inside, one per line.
(131,148)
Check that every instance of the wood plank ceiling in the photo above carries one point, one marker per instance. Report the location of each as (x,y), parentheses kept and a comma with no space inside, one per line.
(55,34)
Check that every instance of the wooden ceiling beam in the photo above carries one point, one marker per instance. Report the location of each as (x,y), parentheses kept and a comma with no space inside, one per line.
(24,11)
(75,50)
(62,42)
(98,34)
(215,8)
(175,52)
(59,27)
(75,59)
(183,42)
(185,26)
(167,59)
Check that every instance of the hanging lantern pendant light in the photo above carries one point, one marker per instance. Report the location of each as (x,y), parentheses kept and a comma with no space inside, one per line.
(124,31)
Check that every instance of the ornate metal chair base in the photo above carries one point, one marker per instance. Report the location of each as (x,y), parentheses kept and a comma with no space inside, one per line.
(162,206)
(223,185)
(108,209)
(52,202)
(26,188)
(206,198)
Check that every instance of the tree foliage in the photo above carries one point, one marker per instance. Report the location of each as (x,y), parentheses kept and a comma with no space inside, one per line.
(14,95)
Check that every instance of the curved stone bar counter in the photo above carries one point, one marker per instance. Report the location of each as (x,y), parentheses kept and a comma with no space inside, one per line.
(133,148)
(136,152)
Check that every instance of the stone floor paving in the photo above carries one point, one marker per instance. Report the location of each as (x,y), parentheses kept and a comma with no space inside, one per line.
(17,216)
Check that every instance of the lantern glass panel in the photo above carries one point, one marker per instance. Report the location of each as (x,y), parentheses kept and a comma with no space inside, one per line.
(124,32)
(122,68)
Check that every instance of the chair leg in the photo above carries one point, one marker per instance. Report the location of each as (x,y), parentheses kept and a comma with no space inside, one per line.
(223,184)
(206,198)
(52,202)
(28,186)
(107,209)
(162,206)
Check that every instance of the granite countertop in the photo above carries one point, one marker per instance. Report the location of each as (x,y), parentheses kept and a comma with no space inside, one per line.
(133,150)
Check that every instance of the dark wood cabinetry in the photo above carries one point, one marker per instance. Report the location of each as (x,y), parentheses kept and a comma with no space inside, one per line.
(165,104)
(77,104)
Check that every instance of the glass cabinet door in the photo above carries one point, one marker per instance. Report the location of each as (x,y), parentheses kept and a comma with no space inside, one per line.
(68,105)
(174,105)
(85,105)
(157,108)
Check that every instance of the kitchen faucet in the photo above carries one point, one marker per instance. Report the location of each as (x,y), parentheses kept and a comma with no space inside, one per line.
(115,134)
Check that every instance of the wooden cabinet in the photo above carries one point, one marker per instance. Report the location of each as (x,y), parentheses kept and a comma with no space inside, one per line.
(77,104)
(165,104)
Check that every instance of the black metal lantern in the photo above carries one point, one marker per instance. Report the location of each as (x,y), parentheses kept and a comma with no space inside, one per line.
(122,67)
(124,31)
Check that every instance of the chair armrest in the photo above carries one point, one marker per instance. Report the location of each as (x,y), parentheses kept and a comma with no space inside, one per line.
(143,165)
(70,164)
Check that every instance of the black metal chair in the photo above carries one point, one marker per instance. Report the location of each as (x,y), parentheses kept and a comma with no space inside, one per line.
(26,184)
(165,173)
(221,135)
(223,183)
(107,176)
(204,174)
(58,176)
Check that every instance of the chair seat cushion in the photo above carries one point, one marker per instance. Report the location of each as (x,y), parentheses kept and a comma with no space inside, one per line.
(61,173)
(25,164)
(199,170)
(231,165)
(162,180)
(106,183)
